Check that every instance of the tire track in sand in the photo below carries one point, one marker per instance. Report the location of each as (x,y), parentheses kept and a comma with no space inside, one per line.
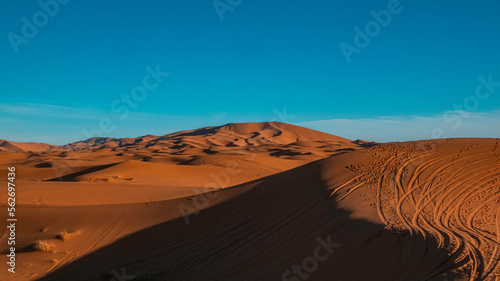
(451,193)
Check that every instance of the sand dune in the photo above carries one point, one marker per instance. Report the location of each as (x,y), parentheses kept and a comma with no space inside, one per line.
(177,164)
(229,135)
(299,205)
(10,146)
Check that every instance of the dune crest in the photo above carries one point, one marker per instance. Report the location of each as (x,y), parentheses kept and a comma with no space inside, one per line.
(259,201)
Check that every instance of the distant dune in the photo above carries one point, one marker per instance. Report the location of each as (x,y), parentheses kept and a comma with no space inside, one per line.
(257,201)
(233,134)
(210,158)
(10,146)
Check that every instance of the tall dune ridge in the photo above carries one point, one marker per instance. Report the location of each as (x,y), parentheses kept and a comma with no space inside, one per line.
(255,201)
(232,134)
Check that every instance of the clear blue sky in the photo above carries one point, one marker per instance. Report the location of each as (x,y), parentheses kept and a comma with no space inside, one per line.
(262,57)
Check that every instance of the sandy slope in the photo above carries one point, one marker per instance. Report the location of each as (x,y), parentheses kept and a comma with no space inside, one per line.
(448,191)
(424,210)
(172,166)
(10,146)
(208,140)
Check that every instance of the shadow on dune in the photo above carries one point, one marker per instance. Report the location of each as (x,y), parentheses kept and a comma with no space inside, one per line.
(73,176)
(264,231)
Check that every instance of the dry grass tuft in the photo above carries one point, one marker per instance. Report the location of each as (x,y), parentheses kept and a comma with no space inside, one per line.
(43,246)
